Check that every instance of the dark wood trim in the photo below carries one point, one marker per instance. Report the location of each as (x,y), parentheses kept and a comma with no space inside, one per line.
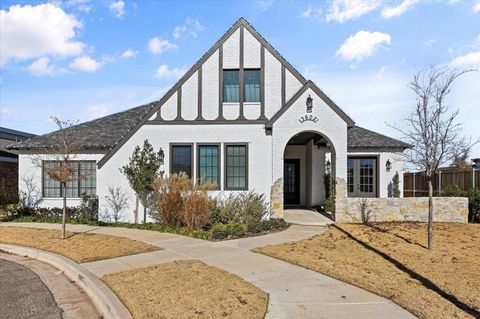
(205,122)
(220,84)
(262,83)
(199,94)
(170,156)
(219,145)
(283,86)
(179,105)
(241,75)
(247,164)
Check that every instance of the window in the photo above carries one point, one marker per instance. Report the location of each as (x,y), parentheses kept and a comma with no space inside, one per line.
(236,170)
(252,85)
(209,164)
(350,175)
(231,86)
(181,159)
(52,188)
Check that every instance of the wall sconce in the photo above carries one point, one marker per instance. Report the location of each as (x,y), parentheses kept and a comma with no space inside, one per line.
(309,104)
(388,165)
(161,156)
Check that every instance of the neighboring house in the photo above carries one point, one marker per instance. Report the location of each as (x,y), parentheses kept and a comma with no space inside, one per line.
(243,118)
(9,158)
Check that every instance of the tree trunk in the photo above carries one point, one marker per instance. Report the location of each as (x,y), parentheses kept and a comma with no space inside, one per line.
(136,209)
(430,214)
(64,215)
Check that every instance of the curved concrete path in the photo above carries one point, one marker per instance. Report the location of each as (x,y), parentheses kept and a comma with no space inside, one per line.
(294,292)
(306,217)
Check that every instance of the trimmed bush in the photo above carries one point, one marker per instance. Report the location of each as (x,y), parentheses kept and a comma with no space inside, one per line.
(452,190)
(231,230)
(267,225)
(241,208)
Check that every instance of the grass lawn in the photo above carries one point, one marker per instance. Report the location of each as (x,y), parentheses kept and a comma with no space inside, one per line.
(390,259)
(80,247)
(187,289)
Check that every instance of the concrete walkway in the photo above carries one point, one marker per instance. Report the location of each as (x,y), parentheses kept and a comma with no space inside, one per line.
(306,217)
(294,292)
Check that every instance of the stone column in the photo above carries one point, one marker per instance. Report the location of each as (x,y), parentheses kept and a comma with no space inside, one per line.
(341,200)
(276,198)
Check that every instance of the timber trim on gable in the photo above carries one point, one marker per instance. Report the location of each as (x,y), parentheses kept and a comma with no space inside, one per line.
(241,23)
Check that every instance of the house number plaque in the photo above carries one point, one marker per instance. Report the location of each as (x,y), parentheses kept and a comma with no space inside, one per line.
(308,117)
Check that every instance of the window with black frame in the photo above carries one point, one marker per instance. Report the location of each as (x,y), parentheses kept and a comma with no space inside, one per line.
(181,159)
(209,164)
(236,167)
(231,86)
(252,85)
(87,184)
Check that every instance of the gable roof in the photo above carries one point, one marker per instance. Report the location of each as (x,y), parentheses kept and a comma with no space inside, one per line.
(310,85)
(100,134)
(361,138)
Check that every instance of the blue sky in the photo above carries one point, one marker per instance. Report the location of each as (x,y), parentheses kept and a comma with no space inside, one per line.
(81,59)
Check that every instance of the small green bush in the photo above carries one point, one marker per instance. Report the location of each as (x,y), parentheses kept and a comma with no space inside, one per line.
(240,208)
(452,190)
(266,225)
(231,230)
(88,209)
(473,205)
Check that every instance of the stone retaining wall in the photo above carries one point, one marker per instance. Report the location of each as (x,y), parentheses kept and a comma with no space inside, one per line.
(445,209)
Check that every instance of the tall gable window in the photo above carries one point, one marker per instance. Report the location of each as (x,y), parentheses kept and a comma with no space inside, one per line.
(252,85)
(181,159)
(236,167)
(87,185)
(231,86)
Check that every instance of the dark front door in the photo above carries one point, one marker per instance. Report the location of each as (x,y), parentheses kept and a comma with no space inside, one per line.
(291,182)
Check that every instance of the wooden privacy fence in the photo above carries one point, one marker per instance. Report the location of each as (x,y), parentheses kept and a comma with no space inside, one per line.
(415,184)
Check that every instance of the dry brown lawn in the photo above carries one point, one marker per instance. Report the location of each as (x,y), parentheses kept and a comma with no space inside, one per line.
(80,247)
(390,259)
(187,289)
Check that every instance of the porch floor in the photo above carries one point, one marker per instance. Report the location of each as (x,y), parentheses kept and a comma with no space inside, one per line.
(305,217)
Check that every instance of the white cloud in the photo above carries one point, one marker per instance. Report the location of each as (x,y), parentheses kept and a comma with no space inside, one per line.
(41,67)
(390,12)
(158,46)
(86,64)
(82,5)
(96,111)
(471,59)
(343,10)
(129,53)
(362,44)
(263,5)
(164,72)
(37,31)
(118,8)
(476,7)
(190,26)
(311,12)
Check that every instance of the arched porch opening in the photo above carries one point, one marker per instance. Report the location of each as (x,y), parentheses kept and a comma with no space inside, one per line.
(309,172)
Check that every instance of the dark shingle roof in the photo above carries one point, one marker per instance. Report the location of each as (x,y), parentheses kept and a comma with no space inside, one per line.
(359,137)
(102,133)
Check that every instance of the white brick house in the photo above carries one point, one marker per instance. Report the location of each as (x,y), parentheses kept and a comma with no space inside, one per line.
(241,117)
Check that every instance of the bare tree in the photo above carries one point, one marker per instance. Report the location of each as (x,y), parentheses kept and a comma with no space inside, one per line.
(117,201)
(58,161)
(433,130)
(30,195)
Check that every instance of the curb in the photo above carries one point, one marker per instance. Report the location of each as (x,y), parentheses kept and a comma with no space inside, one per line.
(102,297)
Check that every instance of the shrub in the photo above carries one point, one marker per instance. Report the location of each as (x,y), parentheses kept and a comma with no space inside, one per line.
(396,185)
(178,201)
(452,190)
(88,209)
(231,230)
(474,205)
(266,225)
(241,208)
(197,210)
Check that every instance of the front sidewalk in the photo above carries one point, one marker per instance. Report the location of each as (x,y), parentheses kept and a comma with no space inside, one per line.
(295,292)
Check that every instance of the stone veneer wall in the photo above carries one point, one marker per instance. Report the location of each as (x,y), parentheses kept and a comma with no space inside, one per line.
(276,198)
(445,209)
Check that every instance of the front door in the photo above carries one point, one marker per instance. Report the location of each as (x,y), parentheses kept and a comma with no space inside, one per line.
(291,182)
(362,177)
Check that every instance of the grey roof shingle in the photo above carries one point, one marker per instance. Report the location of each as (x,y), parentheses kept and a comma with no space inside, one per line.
(359,137)
(102,133)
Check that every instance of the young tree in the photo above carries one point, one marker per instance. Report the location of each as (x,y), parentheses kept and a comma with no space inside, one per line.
(60,165)
(433,131)
(141,171)
(117,201)
(396,185)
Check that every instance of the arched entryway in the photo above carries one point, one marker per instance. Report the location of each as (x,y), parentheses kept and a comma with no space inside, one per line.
(309,172)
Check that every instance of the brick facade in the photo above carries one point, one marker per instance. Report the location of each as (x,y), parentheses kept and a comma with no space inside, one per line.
(9,176)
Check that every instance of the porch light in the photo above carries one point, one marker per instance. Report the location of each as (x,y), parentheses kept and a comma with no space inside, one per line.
(328,165)
(309,104)
(388,165)
(161,156)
